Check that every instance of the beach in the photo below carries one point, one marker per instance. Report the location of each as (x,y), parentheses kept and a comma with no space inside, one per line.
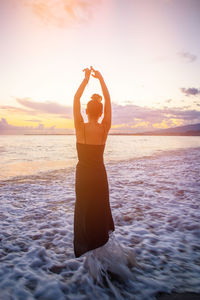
(154,195)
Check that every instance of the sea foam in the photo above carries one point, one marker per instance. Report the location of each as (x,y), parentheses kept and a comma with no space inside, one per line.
(155,206)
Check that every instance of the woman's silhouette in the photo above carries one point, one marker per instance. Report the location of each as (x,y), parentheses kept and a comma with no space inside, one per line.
(92,217)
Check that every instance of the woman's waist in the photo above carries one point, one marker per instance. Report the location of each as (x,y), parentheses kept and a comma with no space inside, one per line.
(91,164)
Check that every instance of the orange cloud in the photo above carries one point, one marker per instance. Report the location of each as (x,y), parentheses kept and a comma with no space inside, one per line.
(119,125)
(171,122)
(176,122)
(8,128)
(161,125)
(62,12)
(143,124)
(47,113)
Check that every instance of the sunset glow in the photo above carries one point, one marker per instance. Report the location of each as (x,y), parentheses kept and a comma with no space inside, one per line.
(147,50)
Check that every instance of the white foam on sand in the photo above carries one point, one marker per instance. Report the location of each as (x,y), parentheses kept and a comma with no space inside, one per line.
(155,204)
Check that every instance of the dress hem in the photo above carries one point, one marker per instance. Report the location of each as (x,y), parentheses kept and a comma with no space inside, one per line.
(100,245)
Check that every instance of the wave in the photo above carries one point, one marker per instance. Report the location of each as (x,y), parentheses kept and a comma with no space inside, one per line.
(40,170)
(155,206)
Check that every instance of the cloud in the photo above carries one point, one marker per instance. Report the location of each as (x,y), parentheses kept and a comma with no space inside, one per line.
(190,91)
(46,107)
(125,118)
(6,128)
(135,118)
(4,124)
(129,113)
(187,56)
(13,109)
(62,13)
(33,120)
(33,108)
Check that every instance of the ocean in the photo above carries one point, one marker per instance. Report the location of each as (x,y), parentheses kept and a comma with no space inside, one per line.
(155,200)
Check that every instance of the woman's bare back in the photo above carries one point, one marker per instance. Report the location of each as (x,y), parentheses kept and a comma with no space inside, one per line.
(92,133)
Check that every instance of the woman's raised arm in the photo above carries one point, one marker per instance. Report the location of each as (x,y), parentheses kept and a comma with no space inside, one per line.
(78,119)
(107,106)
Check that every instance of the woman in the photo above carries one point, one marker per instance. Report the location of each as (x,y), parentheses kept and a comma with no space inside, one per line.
(92,217)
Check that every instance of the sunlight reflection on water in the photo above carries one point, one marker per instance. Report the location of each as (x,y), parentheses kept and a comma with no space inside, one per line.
(25,155)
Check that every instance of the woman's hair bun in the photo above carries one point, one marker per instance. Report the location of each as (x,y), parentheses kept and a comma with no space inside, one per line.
(96,97)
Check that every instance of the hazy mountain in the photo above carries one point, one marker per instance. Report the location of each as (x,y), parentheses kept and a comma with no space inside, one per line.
(193,129)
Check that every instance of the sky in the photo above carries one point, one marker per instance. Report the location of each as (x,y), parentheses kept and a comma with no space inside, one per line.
(148,52)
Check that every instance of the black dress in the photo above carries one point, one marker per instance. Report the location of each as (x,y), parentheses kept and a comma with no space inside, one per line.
(92,216)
